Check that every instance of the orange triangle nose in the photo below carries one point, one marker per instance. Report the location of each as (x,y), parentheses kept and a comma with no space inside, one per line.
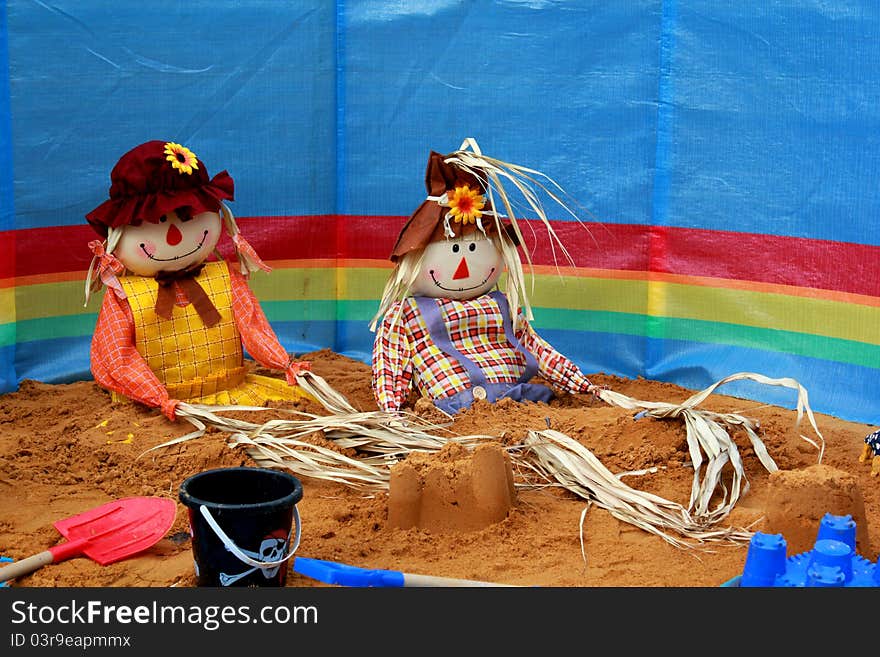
(173,236)
(462,271)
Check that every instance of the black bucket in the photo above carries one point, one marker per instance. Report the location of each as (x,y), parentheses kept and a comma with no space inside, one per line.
(253,511)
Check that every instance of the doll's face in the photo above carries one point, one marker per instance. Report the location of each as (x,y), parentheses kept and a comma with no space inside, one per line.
(459,268)
(172,244)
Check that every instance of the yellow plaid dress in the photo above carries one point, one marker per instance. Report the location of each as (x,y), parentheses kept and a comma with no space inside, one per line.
(194,362)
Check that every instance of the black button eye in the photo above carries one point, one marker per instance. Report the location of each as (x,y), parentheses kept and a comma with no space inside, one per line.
(455,248)
(472,247)
(163,218)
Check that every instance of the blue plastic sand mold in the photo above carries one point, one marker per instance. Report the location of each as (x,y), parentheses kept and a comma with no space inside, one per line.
(5,560)
(832,561)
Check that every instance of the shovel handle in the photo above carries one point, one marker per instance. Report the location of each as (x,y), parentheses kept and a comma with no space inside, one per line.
(25,566)
(411,579)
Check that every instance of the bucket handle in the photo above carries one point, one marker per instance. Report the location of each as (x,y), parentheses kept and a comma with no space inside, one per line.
(232,547)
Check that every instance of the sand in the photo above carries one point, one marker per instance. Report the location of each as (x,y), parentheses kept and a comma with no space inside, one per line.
(66,448)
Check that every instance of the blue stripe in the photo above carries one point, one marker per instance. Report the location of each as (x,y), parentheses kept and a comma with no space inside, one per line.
(770,127)
(843,390)
(840,389)
(7,201)
(249,86)
(352,339)
(660,197)
(61,360)
(660,207)
(339,68)
(8,378)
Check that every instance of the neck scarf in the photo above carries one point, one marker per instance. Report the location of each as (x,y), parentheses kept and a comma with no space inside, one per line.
(186,278)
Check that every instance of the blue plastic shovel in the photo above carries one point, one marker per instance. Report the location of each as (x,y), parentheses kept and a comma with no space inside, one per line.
(342,574)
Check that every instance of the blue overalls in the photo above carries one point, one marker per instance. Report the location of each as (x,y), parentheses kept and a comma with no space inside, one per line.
(480,388)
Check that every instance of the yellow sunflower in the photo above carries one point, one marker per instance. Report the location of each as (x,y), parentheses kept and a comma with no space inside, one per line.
(465,205)
(181,158)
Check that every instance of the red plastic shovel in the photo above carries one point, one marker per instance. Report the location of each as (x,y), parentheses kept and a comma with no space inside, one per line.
(107,533)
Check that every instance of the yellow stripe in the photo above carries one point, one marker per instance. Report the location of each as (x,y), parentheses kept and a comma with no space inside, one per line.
(7,305)
(708,281)
(803,310)
(835,319)
(53,299)
(381,269)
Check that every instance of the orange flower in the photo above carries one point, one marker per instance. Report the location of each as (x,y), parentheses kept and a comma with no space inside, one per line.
(465,205)
(181,158)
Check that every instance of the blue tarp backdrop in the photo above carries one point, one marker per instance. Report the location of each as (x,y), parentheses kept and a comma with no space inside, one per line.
(681,118)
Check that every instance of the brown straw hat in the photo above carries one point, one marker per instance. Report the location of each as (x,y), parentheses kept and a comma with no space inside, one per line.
(155,178)
(453,193)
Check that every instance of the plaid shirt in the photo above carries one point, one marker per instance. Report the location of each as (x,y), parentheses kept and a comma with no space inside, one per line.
(404,353)
(117,365)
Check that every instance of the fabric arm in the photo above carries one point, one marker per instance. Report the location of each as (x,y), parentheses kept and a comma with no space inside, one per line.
(552,365)
(391,363)
(116,364)
(257,334)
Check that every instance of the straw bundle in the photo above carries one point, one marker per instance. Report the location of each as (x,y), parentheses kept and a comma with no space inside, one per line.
(358,449)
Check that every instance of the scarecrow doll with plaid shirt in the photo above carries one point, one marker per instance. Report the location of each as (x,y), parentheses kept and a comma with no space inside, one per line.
(443,327)
(174,320)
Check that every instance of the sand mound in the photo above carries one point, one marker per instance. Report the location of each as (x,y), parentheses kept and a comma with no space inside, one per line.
(455,489)
(797,500)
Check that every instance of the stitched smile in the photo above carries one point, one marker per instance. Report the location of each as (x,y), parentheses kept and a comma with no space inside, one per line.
(462,289)
(183,255)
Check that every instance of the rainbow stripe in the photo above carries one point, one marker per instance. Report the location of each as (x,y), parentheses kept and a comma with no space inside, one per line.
(684,305)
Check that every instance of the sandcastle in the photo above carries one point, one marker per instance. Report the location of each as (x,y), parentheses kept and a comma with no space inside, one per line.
(453,489)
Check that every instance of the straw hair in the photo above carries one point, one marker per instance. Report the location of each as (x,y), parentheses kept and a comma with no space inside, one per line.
(398,285)
(490,171)
(492,174)
(93,280)
(248,260)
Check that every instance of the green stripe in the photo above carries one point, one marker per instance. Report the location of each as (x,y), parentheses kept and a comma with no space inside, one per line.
(7,334)
(833,319)
(48,328)
(321,310)
(798,315)
(801,344)
(689,330)
(357,283)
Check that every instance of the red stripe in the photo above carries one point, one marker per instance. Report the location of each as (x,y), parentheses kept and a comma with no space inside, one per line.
(796,261)
(799,262)
(7,254)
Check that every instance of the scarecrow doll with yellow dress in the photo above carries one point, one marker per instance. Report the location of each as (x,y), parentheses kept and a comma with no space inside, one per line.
(176,317)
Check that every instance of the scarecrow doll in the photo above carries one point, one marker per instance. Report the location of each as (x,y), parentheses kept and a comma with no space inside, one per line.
(444,326)
(176,317)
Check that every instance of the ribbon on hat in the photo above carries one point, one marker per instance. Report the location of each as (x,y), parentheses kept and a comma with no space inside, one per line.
(194,292)
(107,267)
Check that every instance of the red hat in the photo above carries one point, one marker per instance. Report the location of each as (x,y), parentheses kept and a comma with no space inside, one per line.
(154,179)
(427,224)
